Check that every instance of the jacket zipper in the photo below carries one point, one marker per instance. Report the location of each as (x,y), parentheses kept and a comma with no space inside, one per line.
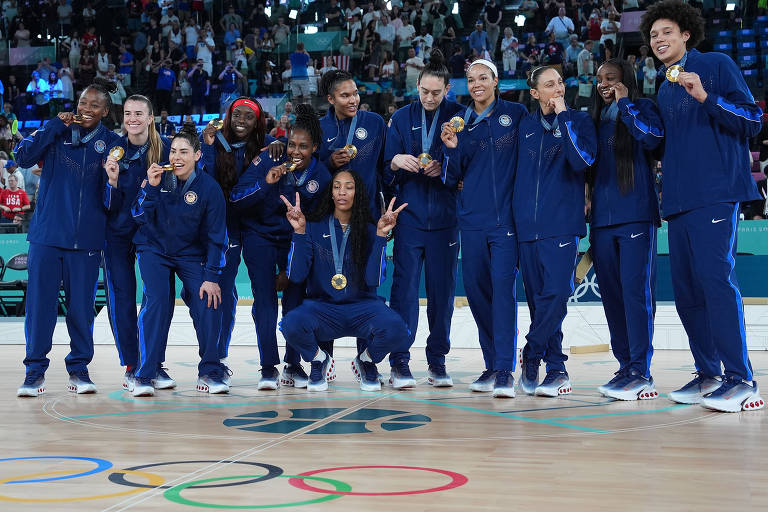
(80,202)
(538,181)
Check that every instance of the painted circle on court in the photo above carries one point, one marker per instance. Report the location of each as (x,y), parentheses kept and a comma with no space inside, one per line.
(457,480)
(174,493)
(101,465)
(152,479)
(272,472)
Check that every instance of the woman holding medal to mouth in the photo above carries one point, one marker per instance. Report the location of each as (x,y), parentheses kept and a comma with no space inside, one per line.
(229,146)
(66,234)
(709,116)
(427,233)
(141,147)
(556,145)
(266,235)
(482,155)
(342,258)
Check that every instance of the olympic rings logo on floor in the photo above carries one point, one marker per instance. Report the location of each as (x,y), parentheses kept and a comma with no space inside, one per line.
(173,492)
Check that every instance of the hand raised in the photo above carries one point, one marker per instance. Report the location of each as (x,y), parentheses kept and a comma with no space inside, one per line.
(294,215)
(389,219)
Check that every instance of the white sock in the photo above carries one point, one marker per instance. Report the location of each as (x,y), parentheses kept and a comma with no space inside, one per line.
(320,356)
(365,356)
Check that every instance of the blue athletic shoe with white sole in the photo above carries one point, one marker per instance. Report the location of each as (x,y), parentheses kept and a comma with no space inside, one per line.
(34,385)
(694,391)
(129,378)
(80,383)
(632,387)
(162,380)
(294,376)
(734,395)
(321,373)
(438,377)
(504,385)
(617,377)
(368,375)
(555,383)
(143,387)
(484,383)
(530,376)
(269,378)
(212,383)
(400,376)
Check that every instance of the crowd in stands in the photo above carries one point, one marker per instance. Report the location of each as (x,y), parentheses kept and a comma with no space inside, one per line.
(194,57)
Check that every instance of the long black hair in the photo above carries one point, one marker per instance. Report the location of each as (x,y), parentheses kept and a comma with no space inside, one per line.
(358,222)
(226,174)
(624,147)
(436,67)
(306,119)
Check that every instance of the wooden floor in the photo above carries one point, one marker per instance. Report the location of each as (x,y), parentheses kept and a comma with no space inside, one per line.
(419,450)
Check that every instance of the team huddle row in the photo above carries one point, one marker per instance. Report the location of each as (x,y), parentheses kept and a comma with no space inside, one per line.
(309,219)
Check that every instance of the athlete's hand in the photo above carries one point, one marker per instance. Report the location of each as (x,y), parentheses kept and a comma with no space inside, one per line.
(460,185)
(113,171)
(405,162)
(434,169)
(213,292)
(275,173)
(558,104)
(692,84)
(389,219)
(620,91)
(276,149)
(209,133)
(67,117)
(449,137)
(281,281)
(340,158)
(294,215)
(154,174)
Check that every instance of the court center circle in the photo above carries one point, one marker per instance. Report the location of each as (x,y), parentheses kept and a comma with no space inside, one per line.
(152,479)
(174,493)
(272,472)
(457,480)
(101,465)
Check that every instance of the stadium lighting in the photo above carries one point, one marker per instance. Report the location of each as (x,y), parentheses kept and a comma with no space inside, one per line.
(268,11)
(455,9)
(389,6)
(519,20)
(730,6)
(293,14)
(310,29)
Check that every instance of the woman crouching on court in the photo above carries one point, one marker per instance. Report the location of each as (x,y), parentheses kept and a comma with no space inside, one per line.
(182,230)
(341,256)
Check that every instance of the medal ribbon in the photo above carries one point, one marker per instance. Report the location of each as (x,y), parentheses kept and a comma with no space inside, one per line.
(350,135)
(549,127)
(428,137)
(125,162)
(338,253)
(304,175)
(483,114)
(610,112)
(76,140)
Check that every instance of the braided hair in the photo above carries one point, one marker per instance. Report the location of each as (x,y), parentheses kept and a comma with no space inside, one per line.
(306,119)
(358,222)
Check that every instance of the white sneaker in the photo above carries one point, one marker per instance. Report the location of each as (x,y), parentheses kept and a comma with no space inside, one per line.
(81,383)
(694,391)
(734,395)
(484,383)
(555,383)
(438,377)
(211,383)
(269,378)
(143,387)
(504,385)
(129,379)
(294,376)
(633,387)
(34,385)
(162,380)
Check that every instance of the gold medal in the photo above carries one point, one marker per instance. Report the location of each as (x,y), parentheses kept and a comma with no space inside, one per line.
(424,160)
(167,168)
(218,123)
(78,119)
(456,124)
(116,153)
(339,281)
(290,166)
(673,72)
(352,150)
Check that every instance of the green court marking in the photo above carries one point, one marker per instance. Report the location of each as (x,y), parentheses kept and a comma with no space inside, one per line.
(622,413)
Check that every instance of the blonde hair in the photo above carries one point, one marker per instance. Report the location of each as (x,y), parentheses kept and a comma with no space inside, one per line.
(155,150)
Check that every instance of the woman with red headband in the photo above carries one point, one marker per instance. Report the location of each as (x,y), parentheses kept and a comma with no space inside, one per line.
(227,152)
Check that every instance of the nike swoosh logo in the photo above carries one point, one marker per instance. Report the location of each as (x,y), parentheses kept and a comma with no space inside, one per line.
(716,221)
(93,253)
(635,235)
(163,190)
(452,244)
(415,128)
(472,128)
(329,140)
(326,236)
(233,246)
(528,134)
(563,245)
(510,234)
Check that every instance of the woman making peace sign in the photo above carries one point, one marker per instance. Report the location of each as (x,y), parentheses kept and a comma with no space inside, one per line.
(341,284)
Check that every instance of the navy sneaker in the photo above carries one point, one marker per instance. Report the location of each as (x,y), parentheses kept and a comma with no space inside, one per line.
(504,385)
(294,376)
(694,391)
(212,383)
(129,378)
(529,379)
(438,377)
(321,373)
(162,380)
(81,383)
(734,395)
(34,384)
(269,378)
(484,382)
(369,376)
(400,376)
(143,387)
(618,376)
(554,384)
(633,387)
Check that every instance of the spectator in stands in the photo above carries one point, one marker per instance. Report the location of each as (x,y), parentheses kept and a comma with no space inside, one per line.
(89,14)
(228,79)
(553,55)
(11,169)
(594,30)
(509,53)
(165,127)
(288,112)
(22,36)
(14,201)
(55,94)
(11,91)
(572,55)
(492,18)
(561,26)
(231,35)
(282,131)
(269,79)
(585,65)
(102,61)
(334,17)
(8,112)
(761,144)
(425,42)
(299,75)
(191,31)
(387,34)
(31,179)
(231,18)
(478,40)
(7,138)
(201,86)
(609,28)
(389,72)
(67,77)
(413,67)
(86,69)
(90,39)
(38,89)
(405,33)
(280,32)
(205,48)
(166,82)
(528,8)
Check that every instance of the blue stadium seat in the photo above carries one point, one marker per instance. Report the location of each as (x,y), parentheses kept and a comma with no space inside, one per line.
(32,124)
(723,47)
(747,61)
(746,46)
(174,119)
(764,45)
(745,34)
(209,117)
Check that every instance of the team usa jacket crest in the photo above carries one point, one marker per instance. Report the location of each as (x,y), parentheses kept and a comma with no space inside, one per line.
(432,203)
(706,149)
(549,181)
(640,204)
(369,141)
(74,194)
(188,221)
(259,204)
(485,160)
(311,259)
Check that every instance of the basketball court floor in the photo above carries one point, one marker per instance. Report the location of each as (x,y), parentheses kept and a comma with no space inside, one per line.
(423,449)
